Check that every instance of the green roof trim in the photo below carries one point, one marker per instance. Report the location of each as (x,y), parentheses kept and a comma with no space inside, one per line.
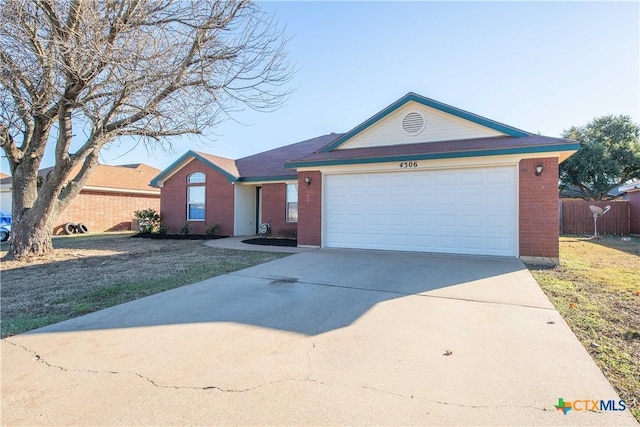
(185,156)
(483,121)
(269,178)
(435,156)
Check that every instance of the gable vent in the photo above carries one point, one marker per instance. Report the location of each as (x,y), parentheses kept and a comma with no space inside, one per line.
(413,123)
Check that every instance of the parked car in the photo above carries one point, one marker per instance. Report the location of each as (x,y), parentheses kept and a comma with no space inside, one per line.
(5,226)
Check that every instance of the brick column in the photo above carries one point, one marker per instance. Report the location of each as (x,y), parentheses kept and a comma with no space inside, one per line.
(310,209)
(539,220)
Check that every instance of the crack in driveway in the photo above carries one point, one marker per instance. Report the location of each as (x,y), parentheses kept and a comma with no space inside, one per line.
(40,359)
(314,343)
(307,379)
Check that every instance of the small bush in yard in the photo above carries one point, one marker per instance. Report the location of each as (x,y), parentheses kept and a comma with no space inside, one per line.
(148,220)
(185,229)
(212,229)
(162,228)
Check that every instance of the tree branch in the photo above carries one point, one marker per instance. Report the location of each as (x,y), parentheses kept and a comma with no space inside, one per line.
(78,182)
(14,155)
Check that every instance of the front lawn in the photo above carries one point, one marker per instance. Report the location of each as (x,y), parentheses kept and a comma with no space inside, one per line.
(87,273)
(596,288)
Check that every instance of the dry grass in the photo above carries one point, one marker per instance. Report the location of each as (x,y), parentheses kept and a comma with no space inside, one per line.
(88,273)
(596,289)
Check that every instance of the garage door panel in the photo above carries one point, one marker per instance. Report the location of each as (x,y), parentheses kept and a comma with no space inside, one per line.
(471,223)
(454,211)
(499,221)
(471,178)
(472,243)
(446,178)
(498,177)
(446,200)
(475,201)
(422,224)
(398,180)
(499,244)
(446,242)
(425,180)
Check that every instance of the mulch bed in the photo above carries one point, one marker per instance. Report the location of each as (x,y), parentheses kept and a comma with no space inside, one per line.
(272,242)
(179,236)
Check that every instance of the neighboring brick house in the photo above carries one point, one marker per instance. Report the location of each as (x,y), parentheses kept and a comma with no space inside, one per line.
(109,199)
(419,175)
(5,196)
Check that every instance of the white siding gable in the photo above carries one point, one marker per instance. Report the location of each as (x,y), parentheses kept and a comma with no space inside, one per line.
(440,126)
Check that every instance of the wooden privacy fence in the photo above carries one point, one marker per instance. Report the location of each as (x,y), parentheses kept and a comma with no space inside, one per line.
(576,217)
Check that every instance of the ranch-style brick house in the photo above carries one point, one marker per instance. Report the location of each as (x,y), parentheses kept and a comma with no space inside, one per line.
(107,201)
(419,175)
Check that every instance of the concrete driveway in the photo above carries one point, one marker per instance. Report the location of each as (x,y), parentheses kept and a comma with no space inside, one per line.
(322,337)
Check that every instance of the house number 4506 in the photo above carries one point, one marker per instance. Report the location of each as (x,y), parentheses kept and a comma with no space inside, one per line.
(408,164)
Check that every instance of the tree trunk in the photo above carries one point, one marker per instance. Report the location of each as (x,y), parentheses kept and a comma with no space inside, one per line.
(34,210)
(37,207)
(30,237)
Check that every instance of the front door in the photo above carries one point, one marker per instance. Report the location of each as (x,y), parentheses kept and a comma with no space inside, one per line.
(258,207)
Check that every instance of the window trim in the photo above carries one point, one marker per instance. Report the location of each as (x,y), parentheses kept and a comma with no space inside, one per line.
(287,203)
(204,202)
(197,174)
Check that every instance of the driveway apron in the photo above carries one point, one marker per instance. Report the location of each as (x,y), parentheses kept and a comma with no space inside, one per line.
(326,337)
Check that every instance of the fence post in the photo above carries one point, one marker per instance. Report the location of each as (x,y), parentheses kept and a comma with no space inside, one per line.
(560,215)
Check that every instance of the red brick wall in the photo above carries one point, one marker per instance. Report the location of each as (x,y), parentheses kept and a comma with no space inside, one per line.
(539,219)
(105,211)
(634,211)
(310,209)
(274,210)
(218,201)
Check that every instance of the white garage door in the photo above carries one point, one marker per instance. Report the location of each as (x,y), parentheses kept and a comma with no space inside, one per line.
(465,211)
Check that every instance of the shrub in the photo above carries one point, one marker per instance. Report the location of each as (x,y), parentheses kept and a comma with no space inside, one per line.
(212,229)
(185,229)
(162,228)
(148,220)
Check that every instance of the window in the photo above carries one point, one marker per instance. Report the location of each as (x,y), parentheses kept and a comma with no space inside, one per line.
(195,202)
(195,196)
(196,178)
(292,202)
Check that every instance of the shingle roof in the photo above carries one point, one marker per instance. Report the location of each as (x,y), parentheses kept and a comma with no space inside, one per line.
(265,166)
(126,177)
(280,163)
(272,163)
(228,165)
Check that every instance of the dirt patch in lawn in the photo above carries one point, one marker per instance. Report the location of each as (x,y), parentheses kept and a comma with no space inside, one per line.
(596,288)
(89,273)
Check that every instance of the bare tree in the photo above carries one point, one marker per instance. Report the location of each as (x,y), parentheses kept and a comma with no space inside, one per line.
(79,74)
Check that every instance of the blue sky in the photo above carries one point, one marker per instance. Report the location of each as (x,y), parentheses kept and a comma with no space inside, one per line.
(538,66)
